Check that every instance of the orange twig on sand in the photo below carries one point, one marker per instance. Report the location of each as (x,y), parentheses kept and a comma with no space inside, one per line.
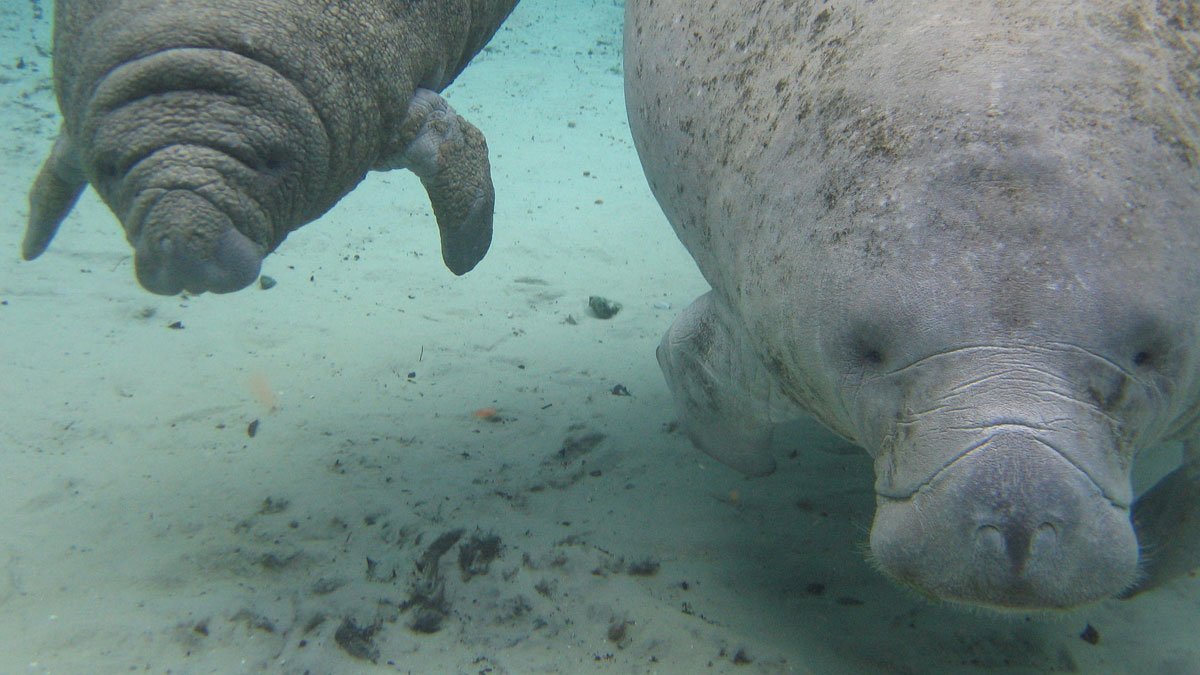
(261,389)
(487,414)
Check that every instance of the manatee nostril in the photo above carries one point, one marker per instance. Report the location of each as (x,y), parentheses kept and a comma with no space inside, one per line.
(166,246)
(1045,538)
(1015,541)
(272,162)
(990,539)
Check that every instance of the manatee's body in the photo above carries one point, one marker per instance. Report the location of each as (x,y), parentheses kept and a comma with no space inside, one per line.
(965,236)
(214,128)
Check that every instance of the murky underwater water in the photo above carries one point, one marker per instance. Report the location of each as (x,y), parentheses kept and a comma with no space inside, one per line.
(300,479)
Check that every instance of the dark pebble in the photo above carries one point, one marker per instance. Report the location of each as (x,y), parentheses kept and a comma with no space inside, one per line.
(603,308)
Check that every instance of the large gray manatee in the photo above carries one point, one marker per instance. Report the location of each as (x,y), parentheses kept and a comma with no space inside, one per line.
(212,129)
(963,235)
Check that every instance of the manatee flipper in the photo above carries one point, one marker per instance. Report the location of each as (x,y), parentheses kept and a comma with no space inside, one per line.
(728,402)
(1167,520)
(54,193)
(449,155)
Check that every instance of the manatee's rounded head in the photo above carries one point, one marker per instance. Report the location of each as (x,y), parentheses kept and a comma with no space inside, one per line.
(1010,524)
(1003,468)
(207,157)
(1004,333)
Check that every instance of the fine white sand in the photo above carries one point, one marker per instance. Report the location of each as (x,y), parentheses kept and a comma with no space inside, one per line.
(143,529)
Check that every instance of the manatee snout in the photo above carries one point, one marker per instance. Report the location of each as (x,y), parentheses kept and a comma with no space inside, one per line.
(185,243)
(1010,524)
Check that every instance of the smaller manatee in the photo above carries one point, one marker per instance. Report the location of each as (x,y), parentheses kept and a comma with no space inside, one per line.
(212,130)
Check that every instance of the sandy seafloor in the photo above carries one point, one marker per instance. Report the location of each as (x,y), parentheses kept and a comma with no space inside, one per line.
(143,530)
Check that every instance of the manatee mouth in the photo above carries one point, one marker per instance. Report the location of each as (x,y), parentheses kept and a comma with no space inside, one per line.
(1011,524)
(185,243)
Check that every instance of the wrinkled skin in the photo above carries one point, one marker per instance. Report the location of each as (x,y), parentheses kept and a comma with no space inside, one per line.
(213,129)
(963,236)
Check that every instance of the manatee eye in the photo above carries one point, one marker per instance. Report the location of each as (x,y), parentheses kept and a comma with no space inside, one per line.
(866,351)
(272,161)
(1151,353)
(1146,342)
(864,346)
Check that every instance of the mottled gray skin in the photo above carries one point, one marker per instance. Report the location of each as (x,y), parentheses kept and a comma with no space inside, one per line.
(963,235)
(213,129)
